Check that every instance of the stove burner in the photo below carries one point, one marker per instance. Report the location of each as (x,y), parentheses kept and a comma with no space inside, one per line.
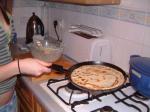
(107,109)
(140,96)
(65,92)
(70,87)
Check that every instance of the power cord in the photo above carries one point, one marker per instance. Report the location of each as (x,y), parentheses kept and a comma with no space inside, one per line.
(55,27)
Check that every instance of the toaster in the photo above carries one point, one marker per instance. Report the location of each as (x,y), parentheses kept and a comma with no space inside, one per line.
(80,49)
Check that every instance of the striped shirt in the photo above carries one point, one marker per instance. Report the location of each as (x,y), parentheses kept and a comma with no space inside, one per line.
(5,56)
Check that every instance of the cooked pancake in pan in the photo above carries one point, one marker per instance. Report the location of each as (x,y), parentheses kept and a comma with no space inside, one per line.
(97,77)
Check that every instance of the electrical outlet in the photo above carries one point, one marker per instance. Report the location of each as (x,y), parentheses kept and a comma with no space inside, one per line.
(55,23)
(61,23)
(58,23)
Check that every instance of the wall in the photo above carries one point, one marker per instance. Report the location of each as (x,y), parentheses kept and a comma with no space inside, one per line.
(22,11)
(127,24)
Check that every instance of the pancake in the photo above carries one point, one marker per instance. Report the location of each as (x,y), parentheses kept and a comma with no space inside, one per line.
(97,77)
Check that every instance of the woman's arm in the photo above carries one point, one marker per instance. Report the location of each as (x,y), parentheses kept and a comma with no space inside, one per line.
(27,66)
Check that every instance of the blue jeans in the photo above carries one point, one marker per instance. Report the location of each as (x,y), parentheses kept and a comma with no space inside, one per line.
(11,106)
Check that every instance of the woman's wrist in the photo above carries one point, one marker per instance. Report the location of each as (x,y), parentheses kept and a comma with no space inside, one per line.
(13,67)
(18,64)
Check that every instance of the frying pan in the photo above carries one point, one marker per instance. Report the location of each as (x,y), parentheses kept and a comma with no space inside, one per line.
(69,71)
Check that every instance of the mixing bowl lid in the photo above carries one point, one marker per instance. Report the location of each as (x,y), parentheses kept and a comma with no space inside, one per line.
(141,63)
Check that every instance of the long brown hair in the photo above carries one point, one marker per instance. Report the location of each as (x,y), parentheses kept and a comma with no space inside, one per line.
(4,12)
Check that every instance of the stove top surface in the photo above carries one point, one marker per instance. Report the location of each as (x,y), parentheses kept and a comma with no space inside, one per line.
(122,100)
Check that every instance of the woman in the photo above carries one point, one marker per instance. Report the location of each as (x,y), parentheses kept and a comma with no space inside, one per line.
(9,68)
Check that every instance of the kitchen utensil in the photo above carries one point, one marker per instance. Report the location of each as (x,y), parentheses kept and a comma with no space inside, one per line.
(34,27)
(140,74)
(46,51)
(94,92)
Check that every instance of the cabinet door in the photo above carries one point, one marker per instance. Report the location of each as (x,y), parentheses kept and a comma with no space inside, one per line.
(26,101)
(8,4)
(89,2)
(24,93)
(23,107)
(38,107)
(25,98)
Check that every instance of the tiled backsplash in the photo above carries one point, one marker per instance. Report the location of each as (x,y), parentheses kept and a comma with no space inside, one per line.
(27,3)
(113,12)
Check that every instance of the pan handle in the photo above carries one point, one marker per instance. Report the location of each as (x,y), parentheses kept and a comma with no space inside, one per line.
(58,68)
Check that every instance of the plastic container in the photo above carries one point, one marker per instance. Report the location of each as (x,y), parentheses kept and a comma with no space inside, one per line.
(140,74)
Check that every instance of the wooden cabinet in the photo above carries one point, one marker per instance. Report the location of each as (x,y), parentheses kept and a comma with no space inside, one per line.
(38,107)
(26,100)
(8,4)
(89,2)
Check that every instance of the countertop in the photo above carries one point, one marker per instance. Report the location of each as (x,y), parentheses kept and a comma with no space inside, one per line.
(33,84)
(41,96)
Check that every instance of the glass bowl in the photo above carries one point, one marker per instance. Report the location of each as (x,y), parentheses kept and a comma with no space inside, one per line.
(46,51)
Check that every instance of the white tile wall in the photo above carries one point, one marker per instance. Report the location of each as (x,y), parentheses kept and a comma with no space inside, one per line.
(146,36)
(21,16)
(127,23)
(146,51)
(122,49)
(143,5)
(127,38)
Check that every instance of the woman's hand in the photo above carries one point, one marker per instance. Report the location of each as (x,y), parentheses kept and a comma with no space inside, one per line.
(33,66)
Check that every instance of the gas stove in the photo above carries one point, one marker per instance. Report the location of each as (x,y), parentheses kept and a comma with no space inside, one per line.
(72,99)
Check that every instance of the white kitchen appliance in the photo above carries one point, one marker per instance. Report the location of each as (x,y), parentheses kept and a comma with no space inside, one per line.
(80,48)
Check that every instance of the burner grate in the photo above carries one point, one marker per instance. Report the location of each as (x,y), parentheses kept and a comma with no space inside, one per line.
(105,109)
(90,97)
(69,86)
(51,81)
(140,96)
(85,101)
(130,98)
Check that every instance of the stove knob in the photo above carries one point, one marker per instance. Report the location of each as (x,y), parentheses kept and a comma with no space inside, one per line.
(107,109)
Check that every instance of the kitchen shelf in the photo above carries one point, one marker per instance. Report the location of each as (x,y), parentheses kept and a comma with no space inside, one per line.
(89,2)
